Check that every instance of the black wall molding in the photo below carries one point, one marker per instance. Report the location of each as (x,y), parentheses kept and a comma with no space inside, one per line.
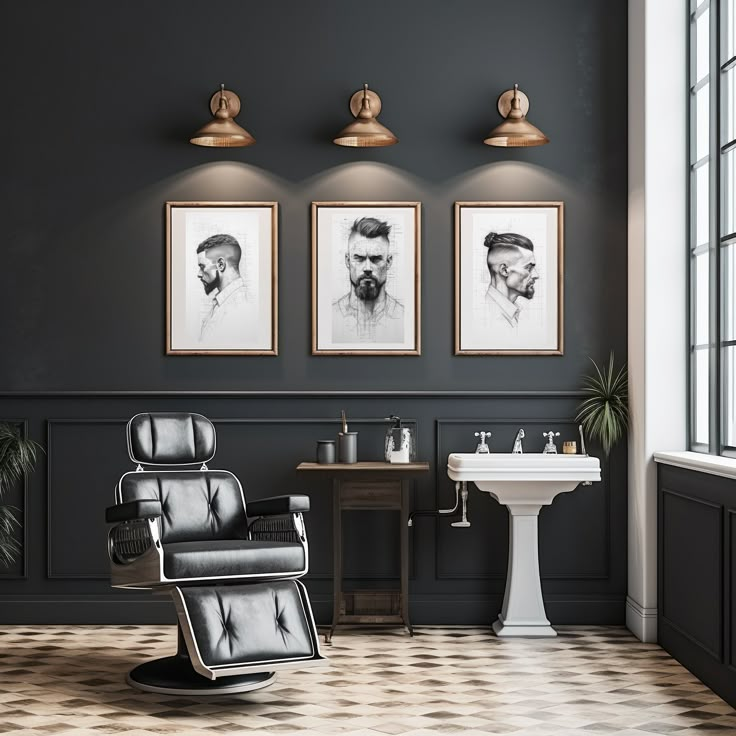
(729,643)
(262,441)
(50,458)
(715,531)
(23,574)
(696,573)
(305,394)
(692,639)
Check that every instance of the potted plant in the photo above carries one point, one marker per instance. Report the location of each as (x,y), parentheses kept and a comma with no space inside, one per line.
(17,458)
(604,413)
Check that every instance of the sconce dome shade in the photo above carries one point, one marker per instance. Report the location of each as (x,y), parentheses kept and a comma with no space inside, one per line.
(223,134)
(222,131)
(365,131)
(515,134)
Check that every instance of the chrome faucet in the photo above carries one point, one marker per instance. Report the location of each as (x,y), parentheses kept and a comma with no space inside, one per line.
(482,448)
(518,449)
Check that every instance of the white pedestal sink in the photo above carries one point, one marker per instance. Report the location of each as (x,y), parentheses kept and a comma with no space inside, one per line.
(523,483)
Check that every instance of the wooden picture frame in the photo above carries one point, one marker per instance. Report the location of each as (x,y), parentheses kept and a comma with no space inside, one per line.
(221,278)
(366,278)
(509,278)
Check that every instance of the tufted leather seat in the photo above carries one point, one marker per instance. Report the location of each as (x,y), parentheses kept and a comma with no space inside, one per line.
(230,557)
(230,567)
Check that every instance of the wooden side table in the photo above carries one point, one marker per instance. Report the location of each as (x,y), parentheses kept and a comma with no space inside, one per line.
(369,487)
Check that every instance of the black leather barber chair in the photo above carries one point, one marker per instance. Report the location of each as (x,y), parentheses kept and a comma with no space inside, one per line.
(231,567)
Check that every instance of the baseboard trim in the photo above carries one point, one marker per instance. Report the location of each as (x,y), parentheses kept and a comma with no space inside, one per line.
(701,662)
(81,610)
(641,622)
(428,611)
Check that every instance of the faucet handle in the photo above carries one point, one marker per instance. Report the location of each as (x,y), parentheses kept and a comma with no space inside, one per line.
(550,448)
(482,446)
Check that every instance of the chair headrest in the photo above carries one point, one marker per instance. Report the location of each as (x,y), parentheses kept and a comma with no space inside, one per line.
(170,438)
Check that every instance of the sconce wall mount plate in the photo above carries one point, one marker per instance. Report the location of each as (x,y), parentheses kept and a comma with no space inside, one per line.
(505,100)
(233,102)
(374,101)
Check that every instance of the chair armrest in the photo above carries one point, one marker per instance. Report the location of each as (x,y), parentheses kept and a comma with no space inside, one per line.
(278,505)
(132,510)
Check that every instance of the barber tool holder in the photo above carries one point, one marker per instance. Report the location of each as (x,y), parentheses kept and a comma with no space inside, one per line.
(400,443)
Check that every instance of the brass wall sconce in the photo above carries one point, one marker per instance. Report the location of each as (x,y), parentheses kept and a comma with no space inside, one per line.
(515,130)
(365,130)
(222,131)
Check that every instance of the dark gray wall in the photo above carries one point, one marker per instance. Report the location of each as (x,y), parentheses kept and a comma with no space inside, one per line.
(100,105)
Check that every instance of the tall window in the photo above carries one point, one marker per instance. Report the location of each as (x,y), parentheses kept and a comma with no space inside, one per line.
(713,226)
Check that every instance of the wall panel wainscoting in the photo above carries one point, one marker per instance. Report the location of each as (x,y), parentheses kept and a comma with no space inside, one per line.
(457,576)
(697,574)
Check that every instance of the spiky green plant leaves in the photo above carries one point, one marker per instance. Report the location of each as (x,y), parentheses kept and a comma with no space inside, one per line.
(17,458)
(604,413)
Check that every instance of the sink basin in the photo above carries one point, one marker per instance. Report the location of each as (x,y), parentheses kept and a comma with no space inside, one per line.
(523,483)
(528,478)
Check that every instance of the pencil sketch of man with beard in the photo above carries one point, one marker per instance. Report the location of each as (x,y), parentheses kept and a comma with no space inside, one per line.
(229,316)
(367,313)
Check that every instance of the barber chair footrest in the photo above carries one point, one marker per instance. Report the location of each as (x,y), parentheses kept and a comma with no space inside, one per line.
(232,630)
(176,676)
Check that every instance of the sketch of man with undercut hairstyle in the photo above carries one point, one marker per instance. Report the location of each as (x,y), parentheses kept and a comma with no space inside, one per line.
(367,313)
(513,268)
(218,259)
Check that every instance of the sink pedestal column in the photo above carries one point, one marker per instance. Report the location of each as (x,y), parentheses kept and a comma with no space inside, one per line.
(523,613)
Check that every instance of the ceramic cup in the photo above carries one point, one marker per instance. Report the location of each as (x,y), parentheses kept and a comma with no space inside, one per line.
(325,452)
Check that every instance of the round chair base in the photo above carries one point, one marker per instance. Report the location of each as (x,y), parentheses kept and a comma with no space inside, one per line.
(176,676)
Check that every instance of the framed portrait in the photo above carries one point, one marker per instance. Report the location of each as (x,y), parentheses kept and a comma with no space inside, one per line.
(365,278)
(221,278)
(509,278)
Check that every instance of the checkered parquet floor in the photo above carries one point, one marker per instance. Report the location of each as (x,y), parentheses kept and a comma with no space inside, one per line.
(588,681)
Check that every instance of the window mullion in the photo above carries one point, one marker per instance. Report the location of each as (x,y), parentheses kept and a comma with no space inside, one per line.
(716,367)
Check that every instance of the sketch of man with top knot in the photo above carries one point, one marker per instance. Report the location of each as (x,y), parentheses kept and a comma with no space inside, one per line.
(513,268)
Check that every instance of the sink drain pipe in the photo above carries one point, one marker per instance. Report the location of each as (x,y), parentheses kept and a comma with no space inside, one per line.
(461,499)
